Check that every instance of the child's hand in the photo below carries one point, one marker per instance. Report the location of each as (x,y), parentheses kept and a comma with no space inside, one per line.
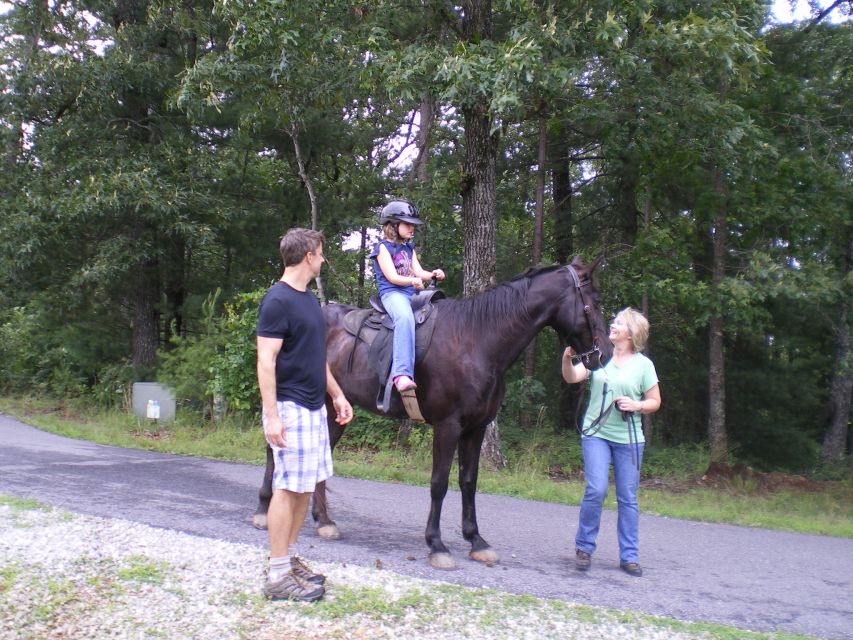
(438,274)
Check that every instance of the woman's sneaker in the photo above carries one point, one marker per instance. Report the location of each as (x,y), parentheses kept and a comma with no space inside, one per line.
(582,560)
(292,587)
(301,570)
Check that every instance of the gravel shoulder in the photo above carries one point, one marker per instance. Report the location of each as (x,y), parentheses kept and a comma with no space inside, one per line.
(700,574)
(66,575)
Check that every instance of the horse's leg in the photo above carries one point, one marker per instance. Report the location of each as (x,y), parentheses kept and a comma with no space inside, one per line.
(470,444)
(264,494)
(444,439)
(324,525)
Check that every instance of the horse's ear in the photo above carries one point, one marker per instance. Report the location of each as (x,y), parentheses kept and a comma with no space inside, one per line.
(596,263)
(577,263)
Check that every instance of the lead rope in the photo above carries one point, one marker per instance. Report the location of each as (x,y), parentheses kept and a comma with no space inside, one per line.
(633,441)
(595,425)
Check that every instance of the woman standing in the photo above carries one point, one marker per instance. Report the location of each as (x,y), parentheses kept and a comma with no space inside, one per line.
(612,434)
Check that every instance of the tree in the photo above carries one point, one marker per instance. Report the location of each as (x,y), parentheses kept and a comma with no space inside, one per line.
(809,86)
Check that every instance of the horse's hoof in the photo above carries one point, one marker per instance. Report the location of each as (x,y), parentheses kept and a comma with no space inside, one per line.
(329,532)
(487,556)
(259,521)
(442,561)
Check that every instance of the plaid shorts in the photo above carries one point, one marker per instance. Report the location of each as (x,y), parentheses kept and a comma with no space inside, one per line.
(307,457)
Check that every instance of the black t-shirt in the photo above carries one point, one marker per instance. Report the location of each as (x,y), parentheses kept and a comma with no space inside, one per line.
(300,368)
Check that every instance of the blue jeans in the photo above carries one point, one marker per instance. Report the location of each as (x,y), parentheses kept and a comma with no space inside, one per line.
(598,454)
(399,307)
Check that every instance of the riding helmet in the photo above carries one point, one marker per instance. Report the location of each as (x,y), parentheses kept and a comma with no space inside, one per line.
(400,211)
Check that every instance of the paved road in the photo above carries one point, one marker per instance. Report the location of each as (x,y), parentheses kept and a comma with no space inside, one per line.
(749,578)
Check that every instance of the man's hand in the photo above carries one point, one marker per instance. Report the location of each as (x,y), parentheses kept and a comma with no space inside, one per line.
(343,409)
(274,431)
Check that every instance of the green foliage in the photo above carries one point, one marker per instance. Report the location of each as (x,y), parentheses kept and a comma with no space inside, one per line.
(524,396)
(112,386)
(682,462)
(187,367)
(34,356)
(369,431)
(219,362)
(232,369)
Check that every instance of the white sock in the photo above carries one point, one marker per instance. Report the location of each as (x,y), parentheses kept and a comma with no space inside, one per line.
(279,567)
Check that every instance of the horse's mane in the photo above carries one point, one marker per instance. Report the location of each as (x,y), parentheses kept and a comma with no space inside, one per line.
(498,304)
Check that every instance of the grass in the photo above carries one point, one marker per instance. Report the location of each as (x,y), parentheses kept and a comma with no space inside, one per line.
(141,569)
(23,504)
(824,508)
(8,574)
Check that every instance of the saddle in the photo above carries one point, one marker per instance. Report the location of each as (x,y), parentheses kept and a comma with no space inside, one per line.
(375,328)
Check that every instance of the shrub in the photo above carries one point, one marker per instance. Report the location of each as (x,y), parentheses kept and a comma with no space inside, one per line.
(233,367)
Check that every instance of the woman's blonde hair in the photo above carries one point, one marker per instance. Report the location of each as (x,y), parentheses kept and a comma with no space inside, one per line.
(638,327)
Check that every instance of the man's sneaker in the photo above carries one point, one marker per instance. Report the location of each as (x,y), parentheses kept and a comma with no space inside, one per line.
(291,587)
(632,568)
(582,560)
(301,570)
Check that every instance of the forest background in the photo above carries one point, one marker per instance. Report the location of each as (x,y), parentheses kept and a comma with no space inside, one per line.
(154,152)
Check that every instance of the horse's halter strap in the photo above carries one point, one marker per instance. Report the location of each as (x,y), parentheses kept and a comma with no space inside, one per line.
(591,359)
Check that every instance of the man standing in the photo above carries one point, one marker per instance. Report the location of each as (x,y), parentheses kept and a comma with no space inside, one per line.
(293,378)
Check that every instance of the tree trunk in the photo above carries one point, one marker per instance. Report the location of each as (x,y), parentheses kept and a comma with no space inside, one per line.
(562,187)
(536,254)
(176,292)
(561,179)
(841,387)
(362,266)
(717,436)
(293,132)
(427,120)
(145,317)
(479,208)
(647,419)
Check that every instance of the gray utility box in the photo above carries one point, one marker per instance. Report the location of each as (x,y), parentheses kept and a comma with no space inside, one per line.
(153,401)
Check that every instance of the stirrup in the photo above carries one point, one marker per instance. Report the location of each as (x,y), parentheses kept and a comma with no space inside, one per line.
(410,403)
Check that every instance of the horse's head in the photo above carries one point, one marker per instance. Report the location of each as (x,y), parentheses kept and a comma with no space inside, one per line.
(578,319)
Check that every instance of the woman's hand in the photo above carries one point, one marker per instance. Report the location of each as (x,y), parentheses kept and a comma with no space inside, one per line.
(572,372)
(438,274)
(417,283)
(624,403)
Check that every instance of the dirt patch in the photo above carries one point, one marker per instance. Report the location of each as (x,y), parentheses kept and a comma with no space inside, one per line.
(559,473)
(737,478)
(151,435)
(740,477)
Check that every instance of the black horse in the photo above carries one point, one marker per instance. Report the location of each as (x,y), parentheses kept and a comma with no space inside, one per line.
(461,380)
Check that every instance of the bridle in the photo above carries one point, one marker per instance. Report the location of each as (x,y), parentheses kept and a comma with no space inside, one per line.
(591,359)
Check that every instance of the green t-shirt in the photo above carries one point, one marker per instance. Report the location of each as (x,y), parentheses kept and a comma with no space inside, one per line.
(632,379)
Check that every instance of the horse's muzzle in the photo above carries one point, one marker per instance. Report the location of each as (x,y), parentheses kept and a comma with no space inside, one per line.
(591,359)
